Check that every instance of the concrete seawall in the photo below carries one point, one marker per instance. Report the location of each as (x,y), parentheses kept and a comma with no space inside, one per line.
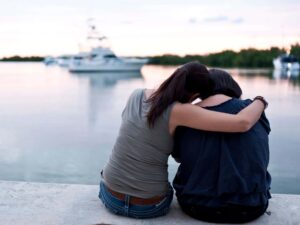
(23,203)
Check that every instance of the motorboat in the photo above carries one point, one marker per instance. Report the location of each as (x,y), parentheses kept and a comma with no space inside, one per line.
(286,62)
(102,59)
(64,60)
(49,60)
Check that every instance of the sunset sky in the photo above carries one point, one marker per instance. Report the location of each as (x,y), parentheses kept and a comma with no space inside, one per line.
(147,27)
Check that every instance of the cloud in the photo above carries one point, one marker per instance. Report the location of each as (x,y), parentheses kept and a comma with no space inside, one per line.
(216,19)
(221,19)
(126,22)
(192,20)
(238,20)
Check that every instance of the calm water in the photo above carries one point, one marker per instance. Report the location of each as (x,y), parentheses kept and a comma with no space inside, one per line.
(60,127)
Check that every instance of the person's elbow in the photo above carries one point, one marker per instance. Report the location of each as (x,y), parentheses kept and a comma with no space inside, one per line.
(245,125)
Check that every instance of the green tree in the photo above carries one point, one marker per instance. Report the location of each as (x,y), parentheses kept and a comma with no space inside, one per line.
(295,50)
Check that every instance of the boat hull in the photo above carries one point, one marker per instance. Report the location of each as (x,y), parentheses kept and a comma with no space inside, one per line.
(104,67)
(292,66)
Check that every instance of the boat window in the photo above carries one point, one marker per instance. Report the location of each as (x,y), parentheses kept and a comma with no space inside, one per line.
(110,56)
(93,55)
(289,59)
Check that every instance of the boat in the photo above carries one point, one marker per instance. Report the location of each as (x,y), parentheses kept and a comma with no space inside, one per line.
(64,60)
(100,58)
(286,62)
(103,59)
(49,60)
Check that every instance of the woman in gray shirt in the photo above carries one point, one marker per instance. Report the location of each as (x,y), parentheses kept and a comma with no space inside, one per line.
(135,179)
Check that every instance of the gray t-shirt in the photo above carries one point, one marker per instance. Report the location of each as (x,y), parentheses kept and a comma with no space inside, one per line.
(139,160)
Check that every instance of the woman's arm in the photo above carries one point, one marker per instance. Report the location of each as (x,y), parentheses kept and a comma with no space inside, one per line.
(199,118)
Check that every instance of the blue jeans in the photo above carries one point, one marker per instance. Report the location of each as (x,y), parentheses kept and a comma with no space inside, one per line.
(123,208)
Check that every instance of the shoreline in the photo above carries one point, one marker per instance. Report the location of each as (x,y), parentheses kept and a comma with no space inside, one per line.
(258,69)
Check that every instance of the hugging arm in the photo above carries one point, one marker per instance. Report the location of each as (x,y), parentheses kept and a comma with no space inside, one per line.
(199,118)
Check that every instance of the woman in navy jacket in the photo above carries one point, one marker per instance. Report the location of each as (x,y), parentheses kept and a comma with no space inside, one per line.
(223,177)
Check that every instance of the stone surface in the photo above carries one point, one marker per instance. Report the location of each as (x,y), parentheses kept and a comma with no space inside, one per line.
(24,203)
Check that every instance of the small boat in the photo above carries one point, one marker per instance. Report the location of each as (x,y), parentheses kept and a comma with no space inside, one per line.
(103,59)
(64,60)
(49,60)
(286,62)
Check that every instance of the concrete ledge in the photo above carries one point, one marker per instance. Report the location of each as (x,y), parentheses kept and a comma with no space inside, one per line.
(64,204)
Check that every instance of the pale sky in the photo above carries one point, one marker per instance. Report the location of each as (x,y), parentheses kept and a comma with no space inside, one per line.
(147,27)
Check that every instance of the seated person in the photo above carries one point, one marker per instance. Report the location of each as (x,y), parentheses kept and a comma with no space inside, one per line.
(223,177)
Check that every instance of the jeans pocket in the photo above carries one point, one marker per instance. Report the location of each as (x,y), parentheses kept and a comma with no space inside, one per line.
(112,209)
(110,202)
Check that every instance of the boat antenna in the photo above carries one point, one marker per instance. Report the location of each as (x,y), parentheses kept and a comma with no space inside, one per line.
(93,33)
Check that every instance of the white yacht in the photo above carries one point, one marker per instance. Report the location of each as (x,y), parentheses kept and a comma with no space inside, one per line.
(103,59)
(286,62)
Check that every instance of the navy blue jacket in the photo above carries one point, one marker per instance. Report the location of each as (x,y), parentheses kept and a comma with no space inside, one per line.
(218,169)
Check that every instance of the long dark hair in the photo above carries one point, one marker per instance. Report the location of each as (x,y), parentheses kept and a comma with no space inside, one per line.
(190,79)
(225,84)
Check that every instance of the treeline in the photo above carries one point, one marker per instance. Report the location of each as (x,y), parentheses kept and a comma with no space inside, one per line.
(22,59)
(246,58)
(295,50)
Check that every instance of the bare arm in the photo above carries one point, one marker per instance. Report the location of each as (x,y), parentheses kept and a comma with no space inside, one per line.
(196,117)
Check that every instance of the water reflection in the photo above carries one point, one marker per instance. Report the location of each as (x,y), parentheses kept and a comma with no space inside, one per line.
(61,127)
(293,75)
(9,150)
(107,79)
(98,84)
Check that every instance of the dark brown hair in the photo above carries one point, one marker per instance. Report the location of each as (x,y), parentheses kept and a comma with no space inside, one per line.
(190,79)
(225,84)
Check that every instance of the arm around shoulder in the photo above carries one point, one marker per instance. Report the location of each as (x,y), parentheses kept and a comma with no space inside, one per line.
(199,118)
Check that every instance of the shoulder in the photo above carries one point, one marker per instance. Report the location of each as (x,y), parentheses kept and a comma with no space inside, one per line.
(148,92)
(135,94)
(263,119)
(134,97)
(245,102)
(240,103)
(137,91)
